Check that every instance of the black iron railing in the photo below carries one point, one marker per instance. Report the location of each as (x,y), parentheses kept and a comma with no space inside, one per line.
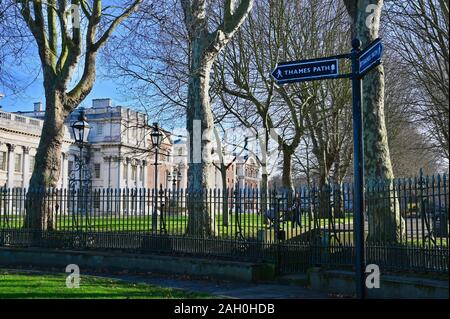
(406,223)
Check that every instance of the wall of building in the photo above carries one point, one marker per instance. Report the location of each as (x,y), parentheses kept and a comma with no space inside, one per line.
(119,152)
(243,171)
(19,139)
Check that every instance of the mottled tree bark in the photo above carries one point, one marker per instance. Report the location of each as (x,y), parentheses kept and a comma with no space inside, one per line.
(225,197)
(385,222)
(286,177)
(47,163)
(204,48)
(198,109)
(59,53)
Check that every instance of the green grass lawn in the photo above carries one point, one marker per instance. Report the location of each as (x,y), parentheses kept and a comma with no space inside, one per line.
(243,225)
(15,284)
(246,223)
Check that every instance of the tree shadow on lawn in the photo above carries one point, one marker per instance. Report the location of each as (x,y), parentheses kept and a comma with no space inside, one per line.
(44,286)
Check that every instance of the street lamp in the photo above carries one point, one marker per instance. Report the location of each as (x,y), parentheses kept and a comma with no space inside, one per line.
(80,129)
(178,178)
(156,137)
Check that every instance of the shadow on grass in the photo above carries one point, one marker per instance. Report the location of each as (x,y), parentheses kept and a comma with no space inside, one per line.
(44,286)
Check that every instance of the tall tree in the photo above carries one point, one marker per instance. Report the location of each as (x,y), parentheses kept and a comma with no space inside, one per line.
(150,61)
(225,163)
(205,46)
(385,222)
(313,110)
(410,147)
(60,47)
(14,47)
(419,33)
(243,72)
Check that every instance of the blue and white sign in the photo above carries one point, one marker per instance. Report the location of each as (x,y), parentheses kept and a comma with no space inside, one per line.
(371,56)
(306,70)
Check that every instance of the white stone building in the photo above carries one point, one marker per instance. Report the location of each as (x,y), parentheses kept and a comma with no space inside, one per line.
(117,149)
(118,145)
(244,171)
(19,139)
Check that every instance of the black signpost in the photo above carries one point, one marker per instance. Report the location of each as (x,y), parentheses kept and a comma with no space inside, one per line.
(358,171)
(328,68)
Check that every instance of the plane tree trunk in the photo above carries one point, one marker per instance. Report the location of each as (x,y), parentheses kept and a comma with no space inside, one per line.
(60,50)
(286,177)
(199,111)
(385,222)
(204,48)
(47,167)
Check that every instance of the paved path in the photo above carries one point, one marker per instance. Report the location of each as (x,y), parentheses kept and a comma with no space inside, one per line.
(226,289)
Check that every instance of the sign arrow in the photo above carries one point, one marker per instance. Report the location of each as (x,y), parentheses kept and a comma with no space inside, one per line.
(370,57)
(306,70)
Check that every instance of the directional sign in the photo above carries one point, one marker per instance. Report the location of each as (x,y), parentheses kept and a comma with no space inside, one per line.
(325,68)
(370,56)
(306,70)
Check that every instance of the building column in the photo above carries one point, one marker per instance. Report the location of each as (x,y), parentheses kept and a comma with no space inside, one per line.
(145,168)
(117,201)
(139,207)
(70,173)
(64,171)
(138,174)
(6,181)
(10,178)
(119,172)
(26,167)
(128,182)
(183,180)
(107,159)
(241,183)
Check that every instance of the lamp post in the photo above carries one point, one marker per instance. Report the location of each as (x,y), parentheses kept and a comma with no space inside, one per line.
(80,129)
(156,137)
(179,177)
(176,178)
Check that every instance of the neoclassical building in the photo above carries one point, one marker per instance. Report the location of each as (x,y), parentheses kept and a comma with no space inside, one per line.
(117,148)
(119,152)
(19,138)
(243,170)
(118,145)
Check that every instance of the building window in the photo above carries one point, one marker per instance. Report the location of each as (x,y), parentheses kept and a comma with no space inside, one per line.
(141,174)
(99,129)
(31,168)
(18,163)
(97,170)
(3,161)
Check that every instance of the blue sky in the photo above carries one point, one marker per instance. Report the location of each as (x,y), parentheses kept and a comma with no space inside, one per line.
(26,70)
(23,101)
